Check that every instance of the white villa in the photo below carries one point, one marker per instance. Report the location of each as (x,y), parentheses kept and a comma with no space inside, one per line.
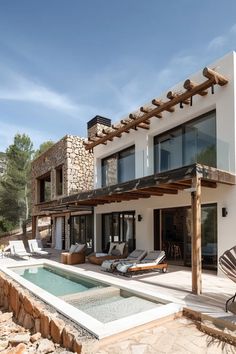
(164,177)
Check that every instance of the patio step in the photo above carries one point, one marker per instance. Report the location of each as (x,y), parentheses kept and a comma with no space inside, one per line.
(221,325)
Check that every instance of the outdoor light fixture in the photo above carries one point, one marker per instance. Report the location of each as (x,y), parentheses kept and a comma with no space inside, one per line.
(224,212)
(140,217)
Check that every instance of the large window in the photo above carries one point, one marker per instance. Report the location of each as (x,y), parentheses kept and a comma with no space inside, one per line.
(44,188)
(118,168)
(193,142)
(119,227)
(59,180)
(81,230)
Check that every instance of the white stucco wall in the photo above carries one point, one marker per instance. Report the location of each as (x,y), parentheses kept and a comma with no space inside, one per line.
(225,196)
(223,101)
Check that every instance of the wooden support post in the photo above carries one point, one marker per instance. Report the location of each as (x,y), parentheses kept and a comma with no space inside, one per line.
(34,226)
(196,237)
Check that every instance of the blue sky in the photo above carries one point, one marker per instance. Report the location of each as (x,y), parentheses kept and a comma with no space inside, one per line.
(64,61)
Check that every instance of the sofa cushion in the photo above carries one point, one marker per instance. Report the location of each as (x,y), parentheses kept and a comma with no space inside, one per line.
(79,247)
(112,246)
(72,248)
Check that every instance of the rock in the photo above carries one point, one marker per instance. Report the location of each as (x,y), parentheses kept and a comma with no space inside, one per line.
(28,322)
(77,346)
(3,344)
(28,306)
(20,349)
(21,315)
(37,325)
(35,337)
(5,316)
(14,300)
(67,337)
(45,324)
(45,346)
(57,326)
(19,338)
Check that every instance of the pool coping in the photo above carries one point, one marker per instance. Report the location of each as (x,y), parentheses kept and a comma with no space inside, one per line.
(97,328)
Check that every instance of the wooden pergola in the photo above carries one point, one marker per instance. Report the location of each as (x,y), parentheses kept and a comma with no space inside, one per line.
(141,118)
(190,178)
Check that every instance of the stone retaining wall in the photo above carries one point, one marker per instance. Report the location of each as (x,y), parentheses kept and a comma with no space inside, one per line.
(34,315)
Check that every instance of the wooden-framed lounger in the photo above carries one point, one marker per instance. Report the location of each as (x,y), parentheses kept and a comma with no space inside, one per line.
(154,260)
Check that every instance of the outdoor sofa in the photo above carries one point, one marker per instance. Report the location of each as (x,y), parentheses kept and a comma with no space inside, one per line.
(75,255)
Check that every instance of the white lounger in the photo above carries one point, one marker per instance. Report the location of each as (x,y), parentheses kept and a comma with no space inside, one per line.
(17,248)
(35,247)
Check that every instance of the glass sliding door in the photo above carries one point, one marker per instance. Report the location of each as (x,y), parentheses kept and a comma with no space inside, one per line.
(175,235)
(118,227)
(81,230)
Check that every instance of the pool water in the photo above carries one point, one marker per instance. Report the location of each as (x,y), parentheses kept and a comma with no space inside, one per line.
(55,282)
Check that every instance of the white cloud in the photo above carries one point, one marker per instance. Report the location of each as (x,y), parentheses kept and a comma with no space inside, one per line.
(218,42)
(19,88)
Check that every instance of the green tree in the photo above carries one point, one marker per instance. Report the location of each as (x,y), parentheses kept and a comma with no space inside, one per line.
(43,147)
(16,183)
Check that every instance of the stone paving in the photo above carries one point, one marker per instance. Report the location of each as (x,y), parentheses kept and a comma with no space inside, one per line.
(180,336)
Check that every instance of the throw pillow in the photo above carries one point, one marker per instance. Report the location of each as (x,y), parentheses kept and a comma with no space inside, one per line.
(112,246)
(115,252)
(72,249)
(79,247)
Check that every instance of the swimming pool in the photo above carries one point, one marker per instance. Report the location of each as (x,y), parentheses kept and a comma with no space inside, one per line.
(54,281)
(102,304)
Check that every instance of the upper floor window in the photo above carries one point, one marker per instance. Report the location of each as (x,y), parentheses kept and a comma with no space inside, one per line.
(44,188)
(192,142)
(119,167)
(59,180)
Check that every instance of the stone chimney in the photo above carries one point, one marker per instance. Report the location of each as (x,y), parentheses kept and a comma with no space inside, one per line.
(97,124)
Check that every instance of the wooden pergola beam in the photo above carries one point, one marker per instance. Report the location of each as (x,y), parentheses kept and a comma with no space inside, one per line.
(148,110)
(189,85)
(171,95)
(215,76)
(158,103)
(212,78)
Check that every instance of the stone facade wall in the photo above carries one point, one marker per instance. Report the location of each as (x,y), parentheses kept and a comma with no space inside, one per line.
(96,128)
(34,315)
(77,166)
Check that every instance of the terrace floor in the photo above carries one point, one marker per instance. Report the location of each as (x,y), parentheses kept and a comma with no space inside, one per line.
(175,285)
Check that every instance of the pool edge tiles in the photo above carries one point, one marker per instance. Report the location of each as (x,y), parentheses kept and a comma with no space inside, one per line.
(97,328)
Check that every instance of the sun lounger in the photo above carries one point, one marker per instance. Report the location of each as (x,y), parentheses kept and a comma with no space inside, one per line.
(135,256)
(153,261)
(117,250)
(35,247)
(228,265)
(17,248)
